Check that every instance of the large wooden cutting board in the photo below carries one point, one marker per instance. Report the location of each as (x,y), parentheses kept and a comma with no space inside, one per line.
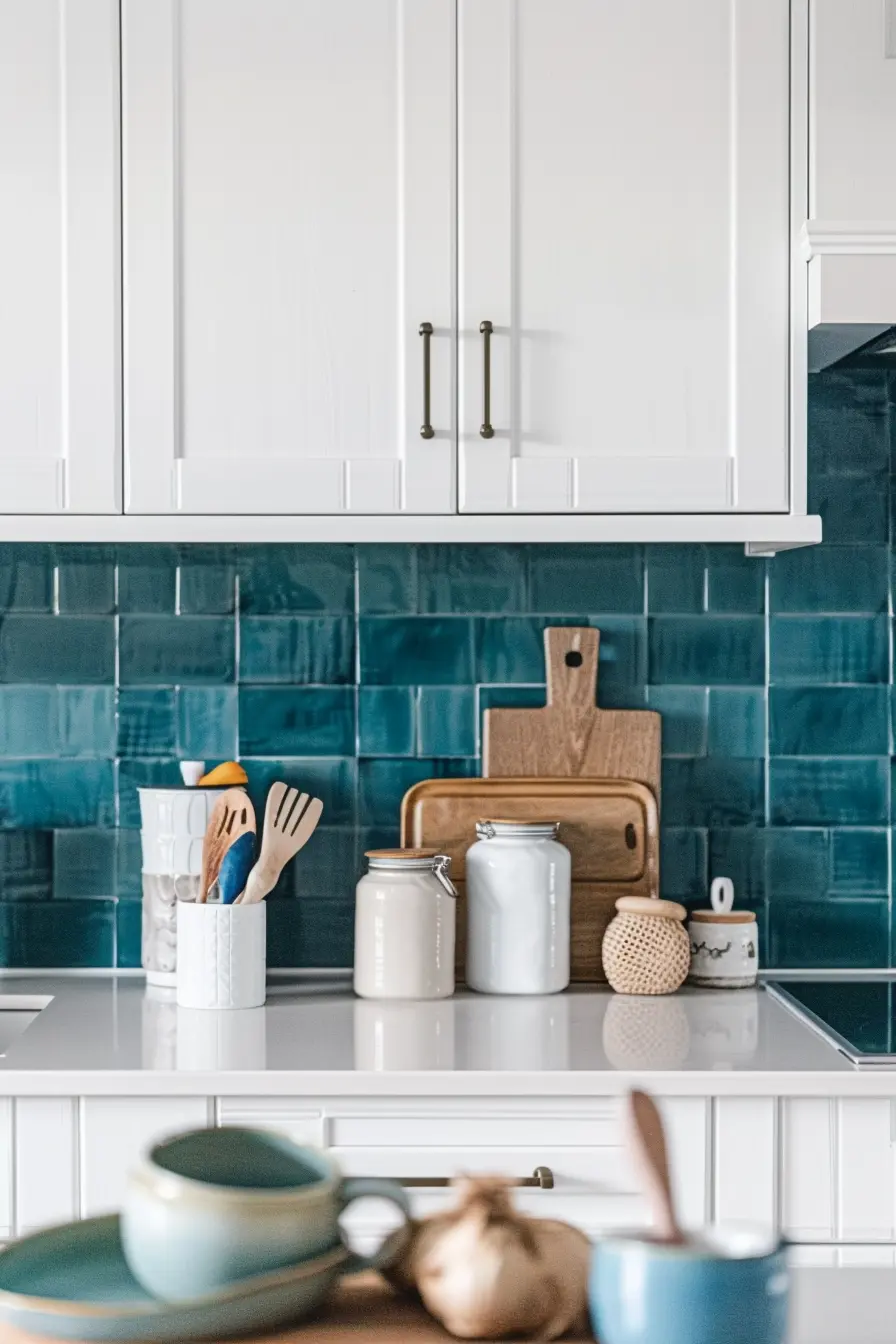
(571,736)
(610,827)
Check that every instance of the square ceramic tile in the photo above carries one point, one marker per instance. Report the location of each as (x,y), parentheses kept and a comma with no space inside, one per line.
(387,721)
(26,865)
(706,651)
(296,721)
(416,650)
(288,580)
(171,650)
(60,650)
(829,649)
(304,649)
(472,578)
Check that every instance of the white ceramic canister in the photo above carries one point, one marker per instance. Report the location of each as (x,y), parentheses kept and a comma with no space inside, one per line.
(405,915)
(172,827)
(724,942)
(518,898)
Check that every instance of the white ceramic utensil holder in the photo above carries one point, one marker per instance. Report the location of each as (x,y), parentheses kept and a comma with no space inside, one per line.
(221,956)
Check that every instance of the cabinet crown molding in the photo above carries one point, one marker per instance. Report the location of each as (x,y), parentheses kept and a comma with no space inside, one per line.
(847,238)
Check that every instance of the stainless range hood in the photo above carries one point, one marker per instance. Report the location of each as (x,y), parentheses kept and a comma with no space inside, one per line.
(851,292)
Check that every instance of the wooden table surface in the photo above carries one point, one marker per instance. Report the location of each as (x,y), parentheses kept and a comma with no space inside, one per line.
(364,1309)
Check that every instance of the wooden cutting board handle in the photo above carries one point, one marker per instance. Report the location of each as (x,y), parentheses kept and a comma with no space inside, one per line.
(570,655)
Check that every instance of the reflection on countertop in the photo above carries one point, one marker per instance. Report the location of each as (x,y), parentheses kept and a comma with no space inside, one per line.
(317,1035)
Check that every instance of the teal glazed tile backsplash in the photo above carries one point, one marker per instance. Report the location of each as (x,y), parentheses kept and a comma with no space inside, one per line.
(357,671)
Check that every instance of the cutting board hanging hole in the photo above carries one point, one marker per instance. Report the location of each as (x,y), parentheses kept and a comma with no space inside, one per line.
(574,659)
(630,838)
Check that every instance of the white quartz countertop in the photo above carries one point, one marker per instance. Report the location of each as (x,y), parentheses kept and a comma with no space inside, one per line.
(110,1034)
(842,1306)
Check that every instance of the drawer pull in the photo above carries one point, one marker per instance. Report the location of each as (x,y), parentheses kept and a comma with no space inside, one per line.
(542,1178)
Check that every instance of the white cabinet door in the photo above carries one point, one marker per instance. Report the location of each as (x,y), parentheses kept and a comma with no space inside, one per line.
(852,87)
(115,1134)
(60,442)
(623,184)
(289,225)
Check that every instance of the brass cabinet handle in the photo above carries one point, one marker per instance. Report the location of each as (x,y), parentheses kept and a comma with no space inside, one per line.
(426,429)
(542,1178)
(486,429)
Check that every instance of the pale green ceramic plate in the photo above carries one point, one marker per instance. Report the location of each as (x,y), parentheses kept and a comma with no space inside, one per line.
(73,1282)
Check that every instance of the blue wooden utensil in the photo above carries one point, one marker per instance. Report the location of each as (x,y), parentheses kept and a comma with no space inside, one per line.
(235,867)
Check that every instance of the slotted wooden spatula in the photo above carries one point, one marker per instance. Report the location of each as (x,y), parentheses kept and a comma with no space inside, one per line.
(571,736)
(289,821)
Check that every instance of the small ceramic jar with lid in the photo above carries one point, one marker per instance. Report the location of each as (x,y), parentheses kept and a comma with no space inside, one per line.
(405,913)
(518,899)
(645,948)
(724,942)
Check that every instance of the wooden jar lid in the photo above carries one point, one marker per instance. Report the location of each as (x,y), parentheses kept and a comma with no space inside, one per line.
(723,917)
(643,905)
(400,853)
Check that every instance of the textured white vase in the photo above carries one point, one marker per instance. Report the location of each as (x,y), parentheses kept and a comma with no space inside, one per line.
(172,828)
(221,955)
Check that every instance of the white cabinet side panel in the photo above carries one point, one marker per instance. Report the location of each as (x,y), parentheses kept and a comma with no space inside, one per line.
(808,1160)
(865,1170)
(116,1131)
(745,1160)
(46,1175)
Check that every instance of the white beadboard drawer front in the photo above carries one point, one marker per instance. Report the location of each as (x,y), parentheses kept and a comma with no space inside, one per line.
(592,1187)
(574,1170)
(304,1125)
(497,1131)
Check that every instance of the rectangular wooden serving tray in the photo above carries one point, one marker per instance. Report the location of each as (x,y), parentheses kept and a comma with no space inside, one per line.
(610,826)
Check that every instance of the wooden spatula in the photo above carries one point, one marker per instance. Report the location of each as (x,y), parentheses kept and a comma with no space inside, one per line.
(647,1145)
(289,821)
(571,736)
(232,816)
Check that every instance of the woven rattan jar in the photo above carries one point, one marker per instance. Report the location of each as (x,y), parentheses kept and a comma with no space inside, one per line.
(646,949)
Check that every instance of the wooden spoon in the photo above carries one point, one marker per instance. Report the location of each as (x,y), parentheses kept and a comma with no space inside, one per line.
(232,816)
(647,1145)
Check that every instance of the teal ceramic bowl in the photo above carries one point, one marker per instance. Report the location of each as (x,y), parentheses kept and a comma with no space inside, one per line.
(731,1286)
(214,1206)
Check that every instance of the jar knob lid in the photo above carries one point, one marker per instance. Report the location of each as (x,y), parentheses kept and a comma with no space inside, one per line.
(721,895)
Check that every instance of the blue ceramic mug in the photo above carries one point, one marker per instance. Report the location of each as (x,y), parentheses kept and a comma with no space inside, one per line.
(213,1206)
(727,1287)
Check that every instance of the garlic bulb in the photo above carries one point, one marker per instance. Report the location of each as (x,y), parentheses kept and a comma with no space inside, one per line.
(486,1271)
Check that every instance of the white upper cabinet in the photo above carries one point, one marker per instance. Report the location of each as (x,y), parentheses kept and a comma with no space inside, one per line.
(624,226)
(852,85)
(849,238)
(60,440)
(289,225)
